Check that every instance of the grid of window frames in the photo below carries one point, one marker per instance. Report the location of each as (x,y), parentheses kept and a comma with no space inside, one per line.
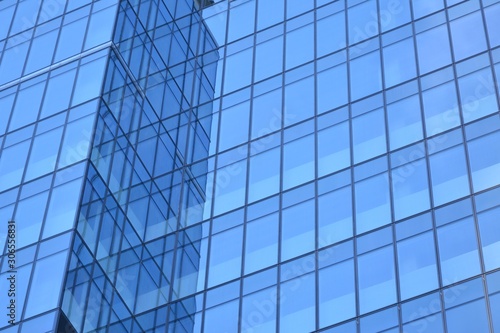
(355,164)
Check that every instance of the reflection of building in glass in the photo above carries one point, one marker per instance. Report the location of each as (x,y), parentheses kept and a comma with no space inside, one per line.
(281,166)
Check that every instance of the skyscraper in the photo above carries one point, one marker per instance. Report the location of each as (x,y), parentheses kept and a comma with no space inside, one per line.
(250,166)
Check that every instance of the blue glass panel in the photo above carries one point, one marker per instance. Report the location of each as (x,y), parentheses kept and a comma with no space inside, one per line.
(268,58)
(337,298)
(71,39)
(441,108)
(225,256)
(399,62)
(259,311)
(12,163)
(264,175)
(270,13)
(261,247)
(485,161)
(449,175)
(297,231)
(6,16)
(47,276)
(422,7)
(223,318)
(27,106)
(5,105)
(458,251)
(376,279)
(373,205)
(230,186)
(63,206)
(298,168)
(380,321)
(298,316)
(468,35)
(394,13)
(75,145)
(241,20)
(368,132)
(12,62)
(405,123)
(366,76)
(492,13)
(299,100)
(470,317)
(266,113)
(58,93)
(433,47)
(489,230)
(44,154)
(332,88)
(42,50)
(417,269)
(238,71)
(234,126)
(89,82)
(363,21)
(100,27)
(299,46)
(477,95)
(29,216)
(333,149)
(335,216)
(326,41)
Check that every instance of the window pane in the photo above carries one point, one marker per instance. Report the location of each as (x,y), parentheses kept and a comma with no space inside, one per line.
(12,162)
(449,175)
(299,100)
(362,25)
(298,230)
(238,71)
(27,106)
(326,41)
(492,13)
(433,47)
(29,216)
(234,126)
(424,7)
(299,46)
(366,76)
(490,229)
(468,35)
(261,247)
(458,251)
(298,314)
(373,206)
(333,149)
(264,175)
(266,113)
(298,167)
(368,132)
(399,62)
(225,256)
(268,58)
(417,265)
(44,154)
(484,156)
(405,122)
(332,88)
(477,95)
(335,216)
(376,279)
(441,108)
(58,93)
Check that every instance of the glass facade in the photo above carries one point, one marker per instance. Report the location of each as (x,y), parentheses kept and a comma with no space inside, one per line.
(251,166)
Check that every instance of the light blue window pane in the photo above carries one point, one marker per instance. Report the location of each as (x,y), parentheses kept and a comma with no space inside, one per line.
(89,82)
(270,13)
(268,58)
(363,21)
(458,251)
(71,39)
(298,168)
(417,269)
(368,132)
(6,107)
(492,13)
(76,141)
(335,216)
(230,185)
(29,216)
(12,162)
(100,27)
(373,204)
(405,122)
(22,279)
(238,71)
(366,76)
(449,175)
(44,154)
(234,126)
(299,100)
(298,316)
(433,48)
(432,324)
(266,114)
(241,20)
(27,106)
(6,17)
(477,95)
(394,13)
(42,50)
(470,317)
(423,7)
(484,156)
(334,151)
(47,276)
(332,88)
(264,176)
(297,230)
(411,192)
(44,323)
(489,229)
(12,62)
(26,15)
(259,312)
(337,297)
(441,108)
(299,46)
(217,24)
(380,321)
(50,10)
(376,279)
(225,256)
(62,208)
(58,93)
(261,247)
(223,318)
(399,62)
(328,42)
(467,34)
(493,281)
(297,7)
